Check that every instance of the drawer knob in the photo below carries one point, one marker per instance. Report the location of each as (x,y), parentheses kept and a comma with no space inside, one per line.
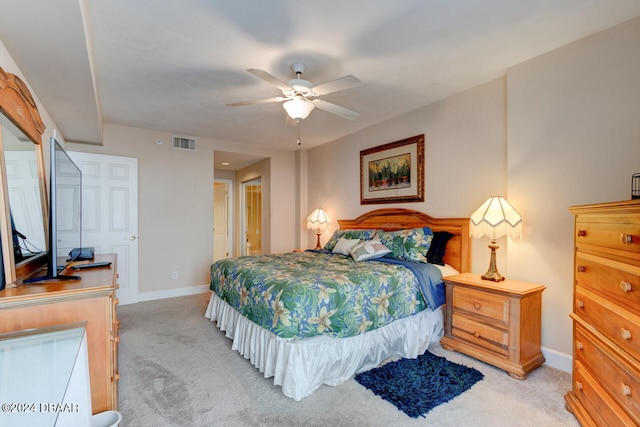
(477,305)
(476,334)
(581,268)
(625,389)
(582,233)
(626,238)
(625,286)
(580,303)
(580,345)
(578,385)
(625,333)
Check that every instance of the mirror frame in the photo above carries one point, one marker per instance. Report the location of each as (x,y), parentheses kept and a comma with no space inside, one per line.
(17,105)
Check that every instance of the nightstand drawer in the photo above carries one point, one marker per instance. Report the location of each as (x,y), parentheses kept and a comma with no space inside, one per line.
(480,334)
(619,380)
(483,304)
(619,325)
(615,279)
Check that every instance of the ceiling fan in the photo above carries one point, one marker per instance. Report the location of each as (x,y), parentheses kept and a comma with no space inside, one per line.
(300,96)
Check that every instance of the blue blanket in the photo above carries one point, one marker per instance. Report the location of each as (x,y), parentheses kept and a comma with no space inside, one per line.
(429,279)
(428,275)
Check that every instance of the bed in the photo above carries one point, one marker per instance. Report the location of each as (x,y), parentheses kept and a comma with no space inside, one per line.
(348,315)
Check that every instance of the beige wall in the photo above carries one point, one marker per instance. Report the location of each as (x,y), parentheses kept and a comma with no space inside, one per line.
(558,130)
(175,207)
(465,159)
(574,138)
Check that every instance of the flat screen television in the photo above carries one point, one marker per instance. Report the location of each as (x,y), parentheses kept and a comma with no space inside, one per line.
(65,214)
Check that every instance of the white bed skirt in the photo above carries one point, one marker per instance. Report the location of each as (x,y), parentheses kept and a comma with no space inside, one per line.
(301,366)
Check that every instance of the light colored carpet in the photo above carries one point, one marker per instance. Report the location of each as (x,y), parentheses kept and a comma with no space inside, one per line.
(178,369)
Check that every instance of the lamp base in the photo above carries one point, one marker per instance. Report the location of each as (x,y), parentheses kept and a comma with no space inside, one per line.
(318,246)
(492,273)
(494,276)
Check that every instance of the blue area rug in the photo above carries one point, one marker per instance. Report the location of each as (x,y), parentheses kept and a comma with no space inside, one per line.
(415,386)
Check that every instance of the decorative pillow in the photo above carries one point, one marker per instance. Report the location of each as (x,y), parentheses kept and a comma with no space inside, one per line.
(436,252)
(344,246)
(408,245)
(348,234)
(370,249)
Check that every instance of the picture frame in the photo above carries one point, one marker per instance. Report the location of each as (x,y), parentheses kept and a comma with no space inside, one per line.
(393,172)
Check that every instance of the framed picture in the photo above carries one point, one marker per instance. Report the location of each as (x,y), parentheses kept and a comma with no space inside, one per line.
(393,172)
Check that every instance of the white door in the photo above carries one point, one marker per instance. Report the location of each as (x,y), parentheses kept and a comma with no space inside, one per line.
(110,214)
(222,247)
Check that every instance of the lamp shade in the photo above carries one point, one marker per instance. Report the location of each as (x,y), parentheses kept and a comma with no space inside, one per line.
(318,220)
(496,218)
(298,108)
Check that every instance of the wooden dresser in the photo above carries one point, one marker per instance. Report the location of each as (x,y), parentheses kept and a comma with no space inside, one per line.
(91,299)
(606,315)
(496,322)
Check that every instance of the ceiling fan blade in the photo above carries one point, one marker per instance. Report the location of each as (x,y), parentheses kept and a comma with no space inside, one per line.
(336,109)
(257,101)
(346,82)
(269,79)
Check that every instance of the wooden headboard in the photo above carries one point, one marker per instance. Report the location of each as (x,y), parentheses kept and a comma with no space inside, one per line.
(458,253)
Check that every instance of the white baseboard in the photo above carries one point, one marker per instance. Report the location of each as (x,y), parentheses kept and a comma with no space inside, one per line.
(558,360)
(172,293)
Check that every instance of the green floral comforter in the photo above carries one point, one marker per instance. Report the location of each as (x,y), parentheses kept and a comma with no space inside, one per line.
(302,294)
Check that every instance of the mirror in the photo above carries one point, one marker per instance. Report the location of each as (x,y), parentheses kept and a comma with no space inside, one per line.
(23,226)
(23,189)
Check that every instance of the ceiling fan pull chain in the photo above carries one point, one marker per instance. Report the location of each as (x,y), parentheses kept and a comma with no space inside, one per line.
(298,125)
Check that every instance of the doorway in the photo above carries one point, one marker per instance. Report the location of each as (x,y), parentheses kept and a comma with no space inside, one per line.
(110,213)
(251,207)
(222,219)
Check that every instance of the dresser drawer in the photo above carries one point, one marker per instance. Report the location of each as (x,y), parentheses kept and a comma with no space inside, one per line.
(619,325)
(620,233)
(602,409)
(617,280)
(487,305)
(620,380)
(480,334)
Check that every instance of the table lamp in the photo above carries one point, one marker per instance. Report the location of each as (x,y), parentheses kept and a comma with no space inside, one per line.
(319,221)
(495,218)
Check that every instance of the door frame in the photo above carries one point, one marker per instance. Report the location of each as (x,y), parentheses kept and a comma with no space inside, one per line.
(243,216)
(230,214)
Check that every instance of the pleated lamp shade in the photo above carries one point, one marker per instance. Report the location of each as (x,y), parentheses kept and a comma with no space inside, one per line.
(496,218)
(318,220)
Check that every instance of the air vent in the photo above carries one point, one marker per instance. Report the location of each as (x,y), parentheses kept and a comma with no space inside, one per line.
(184,143)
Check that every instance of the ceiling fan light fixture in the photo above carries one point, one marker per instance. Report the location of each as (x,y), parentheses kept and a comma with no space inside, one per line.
(298,108)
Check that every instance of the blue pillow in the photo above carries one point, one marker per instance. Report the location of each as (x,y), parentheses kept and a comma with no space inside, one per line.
(437,250)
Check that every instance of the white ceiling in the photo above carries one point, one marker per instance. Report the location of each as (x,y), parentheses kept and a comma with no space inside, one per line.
(171,66)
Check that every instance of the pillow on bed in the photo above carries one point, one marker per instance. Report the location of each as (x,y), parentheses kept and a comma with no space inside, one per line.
(344,246)
(408,245)
(447,270)
(435,254)
(371,249)
(348,234)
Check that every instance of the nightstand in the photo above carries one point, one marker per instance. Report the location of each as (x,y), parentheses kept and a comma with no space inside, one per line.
(496,322)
